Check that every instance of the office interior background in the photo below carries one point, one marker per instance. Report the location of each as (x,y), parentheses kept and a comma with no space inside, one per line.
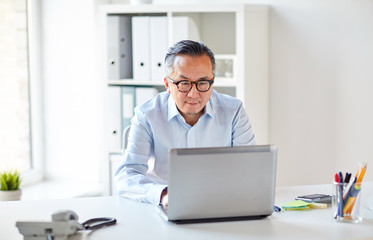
(320,75)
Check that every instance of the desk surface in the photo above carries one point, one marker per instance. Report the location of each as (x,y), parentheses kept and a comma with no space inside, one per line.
(141,221)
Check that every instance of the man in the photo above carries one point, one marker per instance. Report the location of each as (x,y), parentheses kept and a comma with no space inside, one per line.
(189,114)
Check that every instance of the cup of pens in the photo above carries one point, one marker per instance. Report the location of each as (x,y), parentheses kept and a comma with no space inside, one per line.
(346,201)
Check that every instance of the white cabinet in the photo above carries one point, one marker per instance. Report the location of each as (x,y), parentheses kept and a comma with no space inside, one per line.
(236,33)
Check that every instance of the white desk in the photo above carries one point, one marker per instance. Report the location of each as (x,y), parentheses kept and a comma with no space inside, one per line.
(141,221)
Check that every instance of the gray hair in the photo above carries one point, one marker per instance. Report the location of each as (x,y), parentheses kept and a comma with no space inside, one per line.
(190,48)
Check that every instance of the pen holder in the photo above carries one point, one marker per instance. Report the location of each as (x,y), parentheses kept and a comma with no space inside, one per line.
(346,202)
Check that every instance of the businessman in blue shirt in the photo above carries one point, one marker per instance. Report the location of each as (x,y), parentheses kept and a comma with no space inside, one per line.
(189,114)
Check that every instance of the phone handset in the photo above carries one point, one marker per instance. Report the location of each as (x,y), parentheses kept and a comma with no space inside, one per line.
(64,215)
(68,216)
(63,224)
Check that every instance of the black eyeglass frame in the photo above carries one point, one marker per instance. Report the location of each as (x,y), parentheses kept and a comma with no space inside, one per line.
(210,81)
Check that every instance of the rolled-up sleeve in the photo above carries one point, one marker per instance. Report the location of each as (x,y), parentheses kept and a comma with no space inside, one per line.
(242,132)
(131,177)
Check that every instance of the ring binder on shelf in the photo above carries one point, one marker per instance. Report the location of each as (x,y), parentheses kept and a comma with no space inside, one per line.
(119,50)
(141,48)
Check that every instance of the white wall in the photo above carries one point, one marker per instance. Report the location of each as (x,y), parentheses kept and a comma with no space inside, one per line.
(320,86)
(72,107)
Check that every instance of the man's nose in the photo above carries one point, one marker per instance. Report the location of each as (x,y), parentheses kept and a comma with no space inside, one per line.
(193,92)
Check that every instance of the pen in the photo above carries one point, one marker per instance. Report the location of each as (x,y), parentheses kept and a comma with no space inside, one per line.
(351,199)
(351,196)
(339,180)
(361,173)
(347,177)
(338,194)
(349,189)
(276,209)
(348,184)
(336,178)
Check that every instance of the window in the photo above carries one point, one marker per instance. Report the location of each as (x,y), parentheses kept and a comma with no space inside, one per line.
(14,87)
(15,99)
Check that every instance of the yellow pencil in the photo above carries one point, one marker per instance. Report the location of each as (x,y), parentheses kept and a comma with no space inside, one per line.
(361,173)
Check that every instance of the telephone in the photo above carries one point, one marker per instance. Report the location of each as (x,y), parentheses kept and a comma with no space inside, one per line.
(64,223)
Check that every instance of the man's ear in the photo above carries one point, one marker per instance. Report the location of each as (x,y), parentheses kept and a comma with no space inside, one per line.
(167,84)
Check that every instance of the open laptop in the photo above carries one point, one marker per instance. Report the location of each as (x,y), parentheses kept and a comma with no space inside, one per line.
(221,183)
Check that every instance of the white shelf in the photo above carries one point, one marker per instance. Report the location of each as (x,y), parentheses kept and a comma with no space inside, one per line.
(180,8)
(219,82)
(131,82)
(234,32)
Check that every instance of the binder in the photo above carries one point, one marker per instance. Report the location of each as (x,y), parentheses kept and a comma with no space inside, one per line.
(158,47)
(127,105)
(144,94)
(149,47)
(115,162)
(130,98)
(141,47)
(114,119)
(119,51)
(184,28)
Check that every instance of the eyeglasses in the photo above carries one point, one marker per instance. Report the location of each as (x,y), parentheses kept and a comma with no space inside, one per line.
(186,85)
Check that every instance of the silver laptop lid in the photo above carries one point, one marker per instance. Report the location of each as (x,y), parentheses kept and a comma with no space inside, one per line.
(221,182)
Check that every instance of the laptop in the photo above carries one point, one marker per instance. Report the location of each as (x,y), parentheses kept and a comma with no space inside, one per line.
(220,183)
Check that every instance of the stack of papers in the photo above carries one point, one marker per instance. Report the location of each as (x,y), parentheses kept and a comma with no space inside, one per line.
(302,205)
(296,205)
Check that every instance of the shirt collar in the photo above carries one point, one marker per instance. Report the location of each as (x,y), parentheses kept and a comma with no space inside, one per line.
(173,111)
(209,109)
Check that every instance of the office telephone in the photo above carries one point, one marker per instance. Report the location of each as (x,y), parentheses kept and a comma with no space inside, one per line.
(63,224)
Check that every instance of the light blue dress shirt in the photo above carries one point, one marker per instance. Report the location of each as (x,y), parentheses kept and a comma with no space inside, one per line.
(158,126)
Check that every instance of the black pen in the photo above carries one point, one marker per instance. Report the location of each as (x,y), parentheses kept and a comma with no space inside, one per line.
(348,177)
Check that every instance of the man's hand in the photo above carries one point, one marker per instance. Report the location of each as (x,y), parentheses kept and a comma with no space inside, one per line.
(164,199)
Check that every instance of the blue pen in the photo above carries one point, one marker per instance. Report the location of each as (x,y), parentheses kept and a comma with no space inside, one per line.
(276,209)
(349,191)
(341,180)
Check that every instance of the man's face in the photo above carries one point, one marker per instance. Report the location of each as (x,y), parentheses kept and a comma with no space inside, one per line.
(190,104)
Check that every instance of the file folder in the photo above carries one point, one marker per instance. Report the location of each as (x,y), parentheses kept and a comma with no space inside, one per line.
(184,28)
(141,47)
(114,119)
(115,162)
(143,94)
(149,47)
(158,47)
(119,51)
(131,97)
(127,105)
